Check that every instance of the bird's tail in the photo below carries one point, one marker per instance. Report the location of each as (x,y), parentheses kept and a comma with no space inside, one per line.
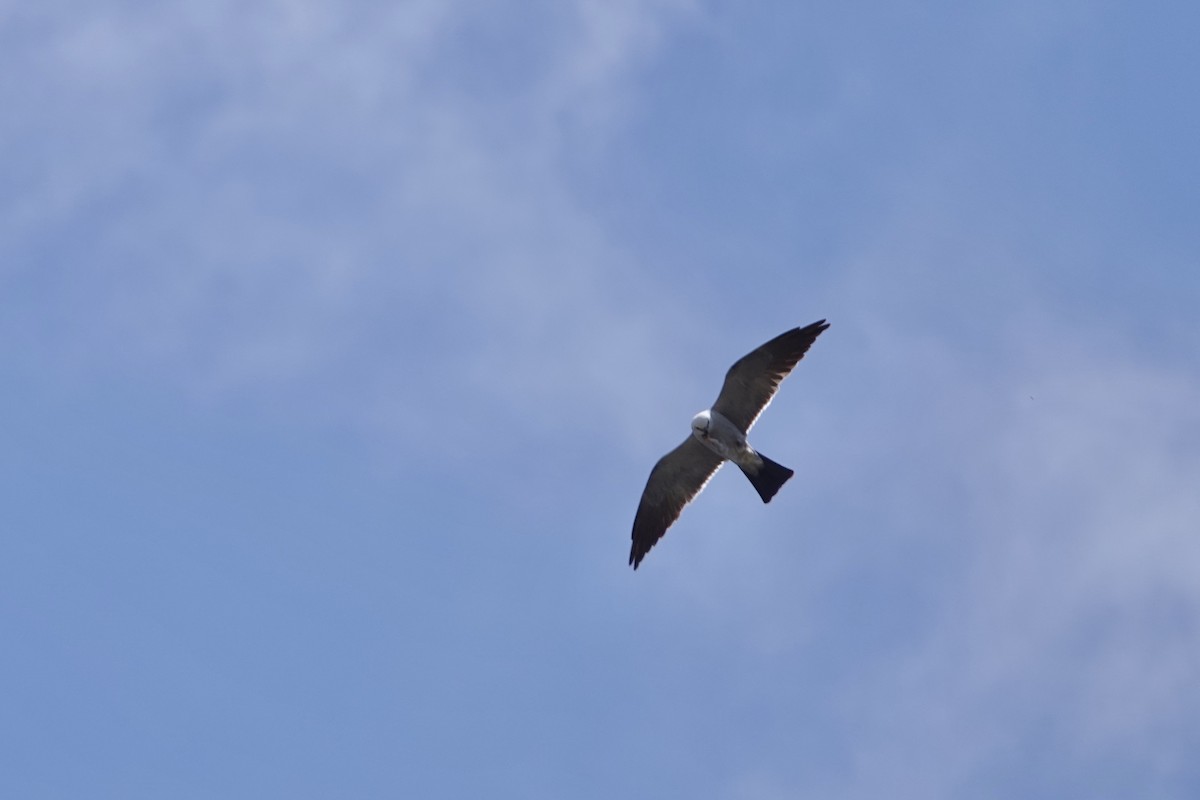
(768,477)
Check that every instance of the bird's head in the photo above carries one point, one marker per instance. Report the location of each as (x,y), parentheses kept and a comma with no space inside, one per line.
(700,424)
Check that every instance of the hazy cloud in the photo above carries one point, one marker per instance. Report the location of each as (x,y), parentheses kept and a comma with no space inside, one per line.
(295,193)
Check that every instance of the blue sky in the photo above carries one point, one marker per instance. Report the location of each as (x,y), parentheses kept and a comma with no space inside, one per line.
(338,342)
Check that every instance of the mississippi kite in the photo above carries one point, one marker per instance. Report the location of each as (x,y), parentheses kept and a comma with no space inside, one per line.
(719,435)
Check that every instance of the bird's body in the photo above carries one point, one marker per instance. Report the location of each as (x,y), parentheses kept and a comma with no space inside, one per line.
(719,435)
(725,439)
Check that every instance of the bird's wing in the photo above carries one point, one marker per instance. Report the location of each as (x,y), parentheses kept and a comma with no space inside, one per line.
(752,381)
(675,480)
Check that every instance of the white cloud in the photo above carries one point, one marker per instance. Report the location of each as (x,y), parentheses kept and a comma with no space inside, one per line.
(247,196)
(1056,525)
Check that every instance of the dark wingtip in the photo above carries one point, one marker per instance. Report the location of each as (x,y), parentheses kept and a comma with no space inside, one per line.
(817,327)
(798,340)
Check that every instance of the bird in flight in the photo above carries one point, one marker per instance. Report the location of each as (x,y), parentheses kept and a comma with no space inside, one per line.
(719,435)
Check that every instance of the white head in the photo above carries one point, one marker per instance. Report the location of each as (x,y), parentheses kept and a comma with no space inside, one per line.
(700,424)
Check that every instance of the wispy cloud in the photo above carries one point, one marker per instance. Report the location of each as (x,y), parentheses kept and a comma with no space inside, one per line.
(289,194)
(1077,595)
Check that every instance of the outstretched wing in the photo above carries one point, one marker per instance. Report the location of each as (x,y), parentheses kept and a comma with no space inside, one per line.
(753,380)
(675,480)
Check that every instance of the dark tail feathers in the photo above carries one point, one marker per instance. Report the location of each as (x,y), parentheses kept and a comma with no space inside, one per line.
(769,477)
